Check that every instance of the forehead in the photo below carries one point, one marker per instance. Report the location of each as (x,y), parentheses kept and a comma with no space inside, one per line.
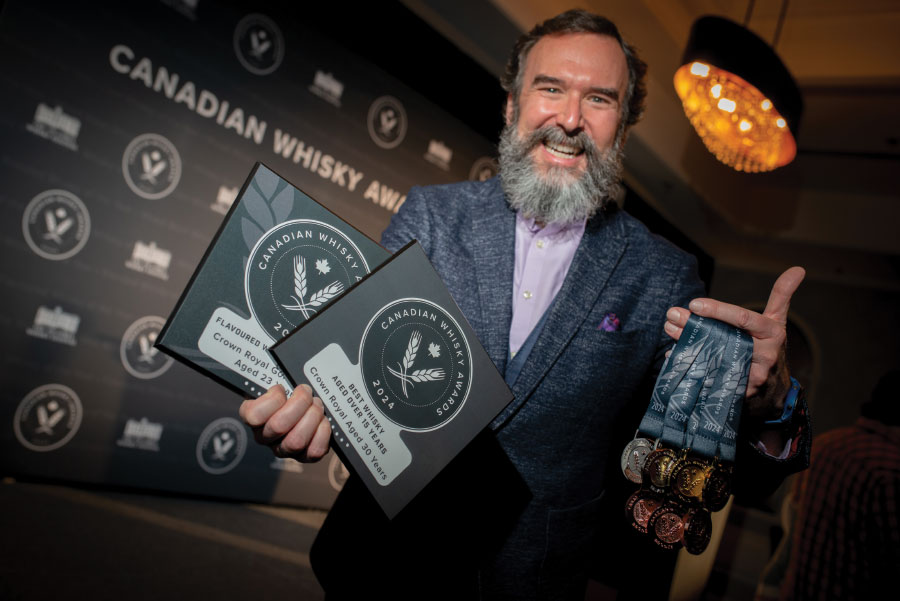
(596,60)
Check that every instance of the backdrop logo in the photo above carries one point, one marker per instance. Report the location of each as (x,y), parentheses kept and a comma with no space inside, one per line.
(297,268)
(151,166)
(48,417)
(387,122)
(483,169)
(139,357)
(258,44)
(224,199)
(56,224)
(56,126)
(337,473)
(150,259)
(439,154)
(141,434)
(221,445)
(326,87)
(55,325)
(416,361)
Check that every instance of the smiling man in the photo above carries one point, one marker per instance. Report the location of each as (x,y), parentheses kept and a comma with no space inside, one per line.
(568,295)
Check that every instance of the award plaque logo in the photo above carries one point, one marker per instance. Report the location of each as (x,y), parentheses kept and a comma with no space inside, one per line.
(416,364)
(151,166)
(48,417)
(56,224)
(221,445)
(295,269)
(139,357)
(337,473)
(483,169)
(387,122)
(258,44)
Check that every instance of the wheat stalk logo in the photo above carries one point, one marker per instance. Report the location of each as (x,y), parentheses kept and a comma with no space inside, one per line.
(317,299)
(419,375)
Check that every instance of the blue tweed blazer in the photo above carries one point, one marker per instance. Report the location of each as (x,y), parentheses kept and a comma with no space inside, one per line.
(520,515)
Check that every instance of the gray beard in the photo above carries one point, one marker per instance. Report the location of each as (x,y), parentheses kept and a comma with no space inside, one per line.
(560,195)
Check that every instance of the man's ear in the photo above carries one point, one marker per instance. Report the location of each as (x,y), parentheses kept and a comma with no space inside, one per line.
(510,109)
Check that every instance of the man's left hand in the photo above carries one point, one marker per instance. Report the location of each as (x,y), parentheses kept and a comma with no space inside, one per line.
(769,378)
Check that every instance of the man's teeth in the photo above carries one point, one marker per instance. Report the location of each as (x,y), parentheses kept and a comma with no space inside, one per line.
(561,150)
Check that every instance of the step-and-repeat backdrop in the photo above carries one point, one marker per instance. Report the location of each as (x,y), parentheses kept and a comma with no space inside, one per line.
(126,131)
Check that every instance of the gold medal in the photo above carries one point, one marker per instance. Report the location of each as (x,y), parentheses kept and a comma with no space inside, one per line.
(717,487)
(688,478)
(658,469)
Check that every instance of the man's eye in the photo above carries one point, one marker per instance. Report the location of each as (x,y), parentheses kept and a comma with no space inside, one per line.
(551,90)
(599,99)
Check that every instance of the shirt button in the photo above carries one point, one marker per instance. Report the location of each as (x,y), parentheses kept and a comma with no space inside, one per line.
(527,294)
(540,244)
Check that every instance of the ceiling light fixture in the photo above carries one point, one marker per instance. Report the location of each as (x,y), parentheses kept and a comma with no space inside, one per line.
(738,94)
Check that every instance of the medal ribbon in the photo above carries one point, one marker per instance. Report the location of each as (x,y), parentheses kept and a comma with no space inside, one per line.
(696,401)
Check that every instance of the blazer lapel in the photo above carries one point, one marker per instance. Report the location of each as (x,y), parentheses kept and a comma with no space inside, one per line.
(599,252)
(493,243)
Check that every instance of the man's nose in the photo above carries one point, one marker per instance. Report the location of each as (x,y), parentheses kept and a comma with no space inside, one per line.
(569,116)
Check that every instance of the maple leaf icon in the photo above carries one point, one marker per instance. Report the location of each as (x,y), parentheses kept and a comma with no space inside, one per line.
(434,350)
(322,266)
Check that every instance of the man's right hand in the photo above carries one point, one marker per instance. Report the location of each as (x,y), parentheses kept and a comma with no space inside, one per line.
(293,427)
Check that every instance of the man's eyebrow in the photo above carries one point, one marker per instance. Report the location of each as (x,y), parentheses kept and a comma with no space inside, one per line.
(540,78)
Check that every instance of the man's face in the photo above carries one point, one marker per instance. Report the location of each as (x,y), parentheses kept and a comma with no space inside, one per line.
(571,83)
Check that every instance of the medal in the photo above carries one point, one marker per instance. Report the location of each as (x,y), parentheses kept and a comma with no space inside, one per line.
(697,530)
(658,468)
(717,487)
(688,479)
(666,525)
(639,508)
(633,458)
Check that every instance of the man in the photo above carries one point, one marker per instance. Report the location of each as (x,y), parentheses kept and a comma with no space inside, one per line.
(845,542)
(566,294)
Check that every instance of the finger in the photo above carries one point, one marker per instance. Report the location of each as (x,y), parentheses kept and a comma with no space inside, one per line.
(756,324)
(255,412)
(672,330)
(782,291)
(284,419)
(297,440)
(318,446)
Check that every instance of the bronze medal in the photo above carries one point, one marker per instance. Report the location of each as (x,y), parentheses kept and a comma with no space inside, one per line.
(688,478)
(658,467)
(717,487)
(640,507)
(697,530)
(633,458)
(666,525)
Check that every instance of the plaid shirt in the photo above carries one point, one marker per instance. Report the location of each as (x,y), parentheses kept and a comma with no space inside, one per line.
(846,539)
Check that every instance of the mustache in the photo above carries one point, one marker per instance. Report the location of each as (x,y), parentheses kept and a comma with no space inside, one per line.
(557,136)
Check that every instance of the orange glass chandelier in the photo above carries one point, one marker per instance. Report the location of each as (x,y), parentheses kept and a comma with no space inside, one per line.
(739,96)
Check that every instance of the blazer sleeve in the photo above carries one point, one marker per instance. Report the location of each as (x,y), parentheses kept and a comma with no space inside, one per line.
(412,222)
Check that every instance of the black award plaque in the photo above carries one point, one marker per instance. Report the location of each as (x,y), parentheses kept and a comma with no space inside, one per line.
(405,382)
(278,259)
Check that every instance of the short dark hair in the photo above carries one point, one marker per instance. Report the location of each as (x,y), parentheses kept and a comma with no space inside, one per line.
(580,21)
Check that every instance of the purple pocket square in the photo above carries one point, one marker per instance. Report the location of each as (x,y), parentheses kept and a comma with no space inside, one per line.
(610,323)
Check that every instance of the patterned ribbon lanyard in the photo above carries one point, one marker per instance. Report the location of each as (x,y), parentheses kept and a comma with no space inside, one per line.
(712,428)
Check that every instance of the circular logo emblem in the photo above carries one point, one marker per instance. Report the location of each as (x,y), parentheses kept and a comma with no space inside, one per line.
(296,269)
(48,417)
(483,169)
(151,166)
(258,44)
(140,358)
(387,122)
(337,473)
(416,364)
(56,224)
(221,445)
